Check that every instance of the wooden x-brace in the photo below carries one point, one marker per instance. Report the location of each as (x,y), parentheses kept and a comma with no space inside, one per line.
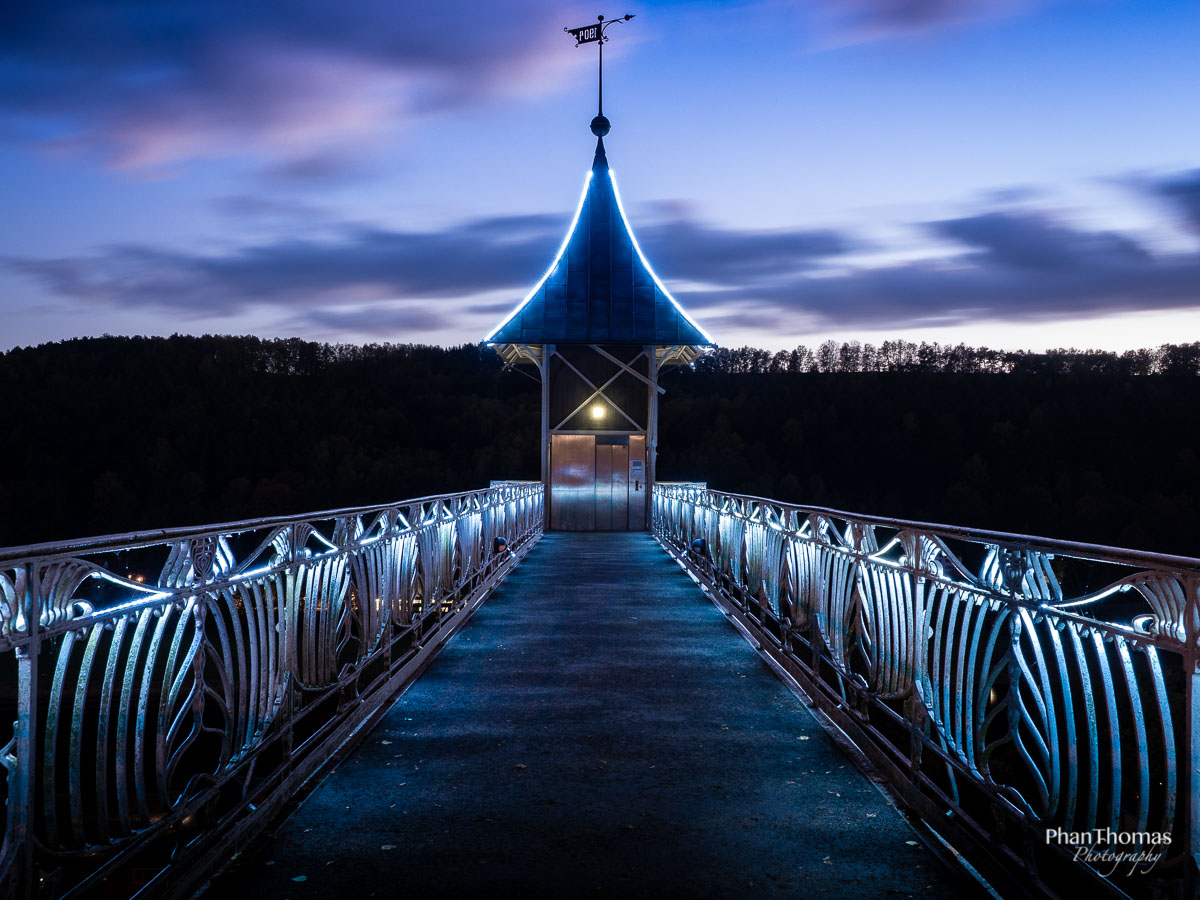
(599,391)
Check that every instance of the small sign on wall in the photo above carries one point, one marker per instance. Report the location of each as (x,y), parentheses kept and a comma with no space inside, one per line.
(637,473)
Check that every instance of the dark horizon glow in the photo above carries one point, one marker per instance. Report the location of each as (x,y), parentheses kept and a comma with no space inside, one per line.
(1006,174)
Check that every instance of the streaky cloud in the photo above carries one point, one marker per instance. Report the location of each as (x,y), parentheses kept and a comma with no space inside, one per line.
(1183,191)
(868,20)
(362,263)
(1002,265)
(375,319)
(262,206)
(1027,240)
(300,83)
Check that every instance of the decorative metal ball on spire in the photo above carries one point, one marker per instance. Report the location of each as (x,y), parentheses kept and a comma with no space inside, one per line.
(595,34)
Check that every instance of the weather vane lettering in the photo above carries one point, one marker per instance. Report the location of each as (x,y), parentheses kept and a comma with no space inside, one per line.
(595,34)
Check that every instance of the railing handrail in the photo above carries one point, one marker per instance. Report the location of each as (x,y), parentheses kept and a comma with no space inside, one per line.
(133,540)
(183,704)
(1083,550)
(1015,691)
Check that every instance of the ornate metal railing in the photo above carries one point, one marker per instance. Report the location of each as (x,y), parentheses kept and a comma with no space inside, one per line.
(1033,701)
(169,691)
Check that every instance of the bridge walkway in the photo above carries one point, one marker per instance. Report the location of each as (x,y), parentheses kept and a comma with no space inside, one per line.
(597,729)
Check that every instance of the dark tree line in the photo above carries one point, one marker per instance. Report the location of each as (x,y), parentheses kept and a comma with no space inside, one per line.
(1095,458)
(116,434)
(906,356)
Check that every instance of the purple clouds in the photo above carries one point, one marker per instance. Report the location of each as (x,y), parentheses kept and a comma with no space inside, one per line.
(1183,192)
(874,19)
(301,82)
(311,145)
(1002,265)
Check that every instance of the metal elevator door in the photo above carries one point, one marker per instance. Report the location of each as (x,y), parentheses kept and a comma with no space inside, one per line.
(590,482)
(612,487)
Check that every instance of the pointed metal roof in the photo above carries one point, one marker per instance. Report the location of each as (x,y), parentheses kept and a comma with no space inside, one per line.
(600,288)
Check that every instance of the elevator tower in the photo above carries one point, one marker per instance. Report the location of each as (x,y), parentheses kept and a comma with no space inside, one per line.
(600,327)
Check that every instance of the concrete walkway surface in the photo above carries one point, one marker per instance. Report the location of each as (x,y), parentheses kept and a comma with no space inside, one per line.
(597,729)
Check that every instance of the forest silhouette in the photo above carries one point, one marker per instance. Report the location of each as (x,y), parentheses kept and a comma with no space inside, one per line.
(116,434)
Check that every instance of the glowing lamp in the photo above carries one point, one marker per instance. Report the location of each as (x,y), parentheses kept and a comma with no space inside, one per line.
(597,411)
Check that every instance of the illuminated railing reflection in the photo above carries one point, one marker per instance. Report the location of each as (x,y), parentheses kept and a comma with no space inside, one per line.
(1012,689)
(169,691)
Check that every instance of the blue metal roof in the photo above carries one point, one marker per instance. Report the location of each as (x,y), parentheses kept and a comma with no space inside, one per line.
(600,288)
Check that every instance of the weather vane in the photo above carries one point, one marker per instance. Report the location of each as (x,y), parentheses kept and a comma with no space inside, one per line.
(594,34)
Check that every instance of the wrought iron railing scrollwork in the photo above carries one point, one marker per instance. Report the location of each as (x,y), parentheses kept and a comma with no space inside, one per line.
(1014,690)
(166,690)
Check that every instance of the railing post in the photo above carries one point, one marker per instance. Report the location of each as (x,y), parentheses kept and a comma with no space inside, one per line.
(547,355)
(651,427)
(1190,772)
(1191,775)
(21,795)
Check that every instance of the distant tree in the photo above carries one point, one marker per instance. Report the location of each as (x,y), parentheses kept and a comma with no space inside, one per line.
(828,357)
(849,357)
(1180,359)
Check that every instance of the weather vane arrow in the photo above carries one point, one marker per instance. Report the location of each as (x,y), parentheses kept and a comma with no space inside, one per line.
(595,34)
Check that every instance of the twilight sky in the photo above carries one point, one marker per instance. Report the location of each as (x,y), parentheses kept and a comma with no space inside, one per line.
(1010,173)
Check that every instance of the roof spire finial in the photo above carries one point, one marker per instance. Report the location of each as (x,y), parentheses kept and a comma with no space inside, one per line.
(594,34)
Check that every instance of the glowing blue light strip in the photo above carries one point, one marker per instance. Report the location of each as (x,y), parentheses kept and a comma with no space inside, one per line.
(132,604)
(879,554)
(1093,598)
(324,540)
(621,209)
(255,573)
(557,258)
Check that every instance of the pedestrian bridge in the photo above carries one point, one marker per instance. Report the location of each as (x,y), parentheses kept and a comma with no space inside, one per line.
(753,698)
(597,727)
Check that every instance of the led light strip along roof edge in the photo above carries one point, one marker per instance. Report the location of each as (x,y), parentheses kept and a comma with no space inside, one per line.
(612,177)
(587,183)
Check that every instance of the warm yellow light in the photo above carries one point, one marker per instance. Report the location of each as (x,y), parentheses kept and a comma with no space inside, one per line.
(597,411)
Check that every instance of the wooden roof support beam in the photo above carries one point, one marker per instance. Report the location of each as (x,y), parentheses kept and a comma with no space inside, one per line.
(628,366)
(596,391)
